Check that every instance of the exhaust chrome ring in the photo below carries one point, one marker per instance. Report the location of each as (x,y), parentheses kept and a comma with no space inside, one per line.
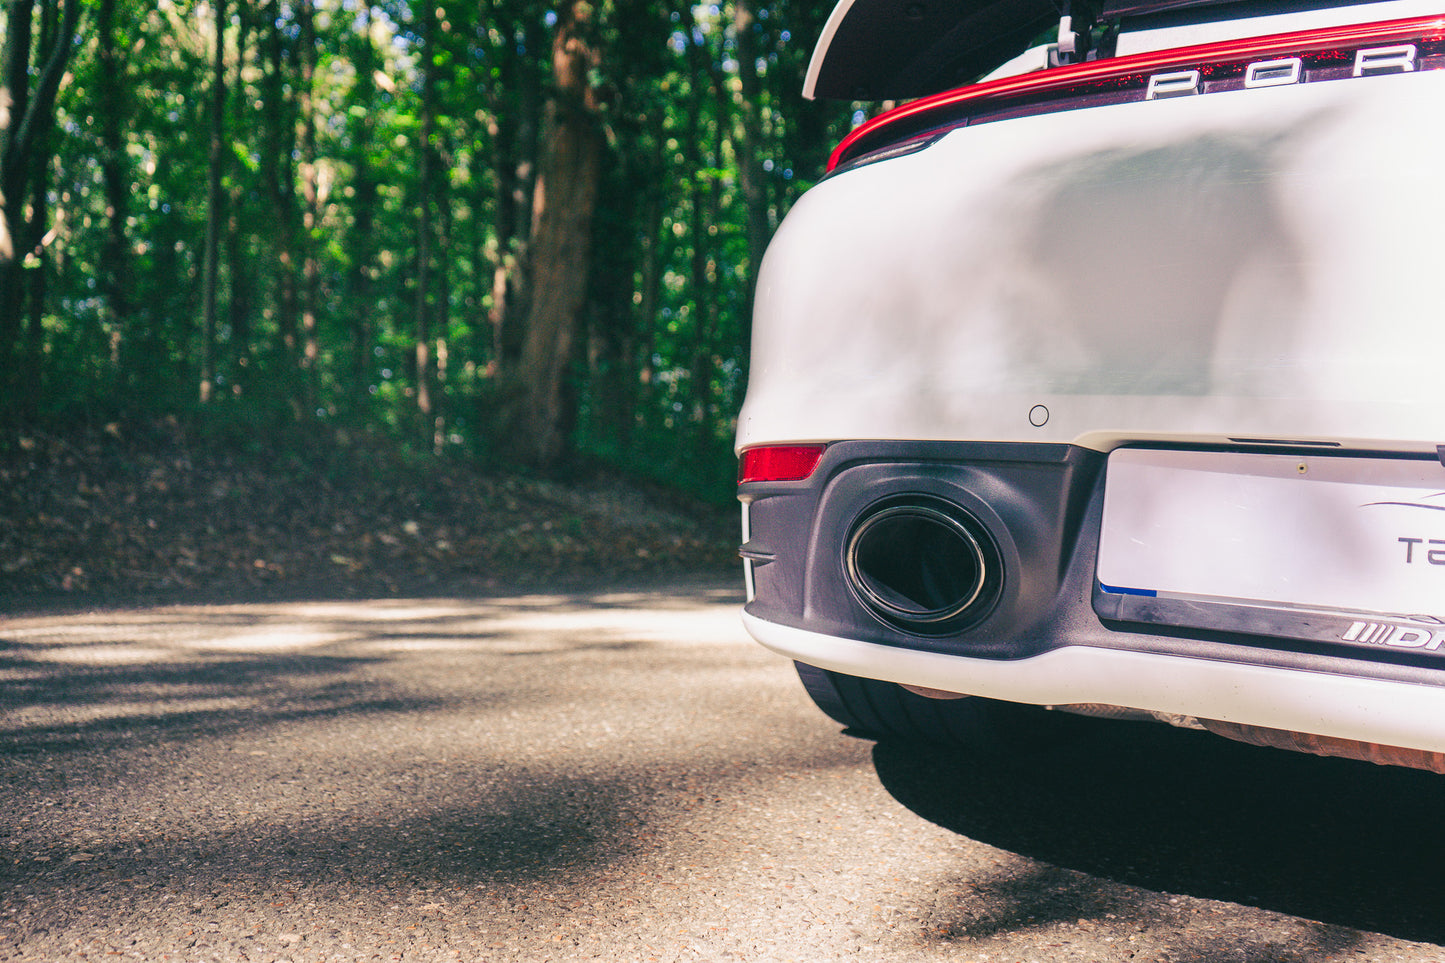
(924,565)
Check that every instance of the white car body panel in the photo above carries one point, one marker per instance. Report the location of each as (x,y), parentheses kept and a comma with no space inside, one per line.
(1195,269)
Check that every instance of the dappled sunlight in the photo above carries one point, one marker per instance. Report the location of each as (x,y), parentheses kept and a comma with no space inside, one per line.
(81,715)
(90,654)
(177,672)
(178,633)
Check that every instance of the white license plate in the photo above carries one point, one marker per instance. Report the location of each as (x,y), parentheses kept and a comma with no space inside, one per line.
(1303,531)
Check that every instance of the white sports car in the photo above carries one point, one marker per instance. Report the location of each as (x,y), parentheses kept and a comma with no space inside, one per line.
(1114,382)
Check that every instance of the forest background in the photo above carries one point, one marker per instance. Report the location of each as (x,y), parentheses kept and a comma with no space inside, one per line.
(506,230)
(241,238)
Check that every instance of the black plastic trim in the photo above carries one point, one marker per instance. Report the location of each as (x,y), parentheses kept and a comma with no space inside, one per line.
(1041,505)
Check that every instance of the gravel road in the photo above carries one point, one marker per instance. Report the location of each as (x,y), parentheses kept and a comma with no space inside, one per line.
(622,775)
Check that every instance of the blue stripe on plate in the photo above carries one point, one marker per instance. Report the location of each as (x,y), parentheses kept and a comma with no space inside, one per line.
(1116,590)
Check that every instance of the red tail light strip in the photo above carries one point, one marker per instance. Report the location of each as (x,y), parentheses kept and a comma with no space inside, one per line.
(779,463)
(1116,72)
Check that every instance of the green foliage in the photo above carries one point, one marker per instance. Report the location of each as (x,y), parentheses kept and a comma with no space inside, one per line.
(333,240)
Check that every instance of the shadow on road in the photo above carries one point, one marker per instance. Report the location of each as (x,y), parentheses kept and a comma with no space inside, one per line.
(1345,843)
(452,741)
(82,681)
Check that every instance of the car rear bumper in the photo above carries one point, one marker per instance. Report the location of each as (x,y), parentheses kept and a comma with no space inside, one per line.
(1368,710)
(1046,630)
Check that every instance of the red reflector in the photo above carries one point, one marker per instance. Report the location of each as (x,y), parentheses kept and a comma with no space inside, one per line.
(779,463)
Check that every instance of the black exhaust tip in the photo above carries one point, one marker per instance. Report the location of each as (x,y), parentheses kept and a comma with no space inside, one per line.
(924,565)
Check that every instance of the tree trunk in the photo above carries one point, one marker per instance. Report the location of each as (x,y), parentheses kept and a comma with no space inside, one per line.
(424,229)
(656,245)
(565,200)
(279,178)
(750,161)
(210,280)
(36,230)
(13,165)
(112,113)
(311,212)
(239,270)
(26,115)
(362,238)
(442,294)
(514,131)
(703,198)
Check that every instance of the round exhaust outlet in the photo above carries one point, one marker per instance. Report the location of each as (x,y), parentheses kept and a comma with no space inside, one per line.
(924,565)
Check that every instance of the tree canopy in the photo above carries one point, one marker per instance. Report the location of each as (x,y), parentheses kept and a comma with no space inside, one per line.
(518,230)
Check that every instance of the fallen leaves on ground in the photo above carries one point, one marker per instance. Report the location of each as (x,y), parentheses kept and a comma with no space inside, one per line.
(102,519)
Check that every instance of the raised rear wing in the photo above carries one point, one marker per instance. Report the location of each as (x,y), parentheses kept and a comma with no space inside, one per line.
(901,49)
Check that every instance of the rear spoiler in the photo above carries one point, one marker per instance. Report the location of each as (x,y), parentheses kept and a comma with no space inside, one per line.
(903,49)
(1135,8)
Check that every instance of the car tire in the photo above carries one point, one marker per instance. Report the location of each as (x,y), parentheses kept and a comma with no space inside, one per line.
(887,711)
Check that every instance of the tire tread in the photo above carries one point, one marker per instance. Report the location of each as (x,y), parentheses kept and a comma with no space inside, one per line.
(885,710)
